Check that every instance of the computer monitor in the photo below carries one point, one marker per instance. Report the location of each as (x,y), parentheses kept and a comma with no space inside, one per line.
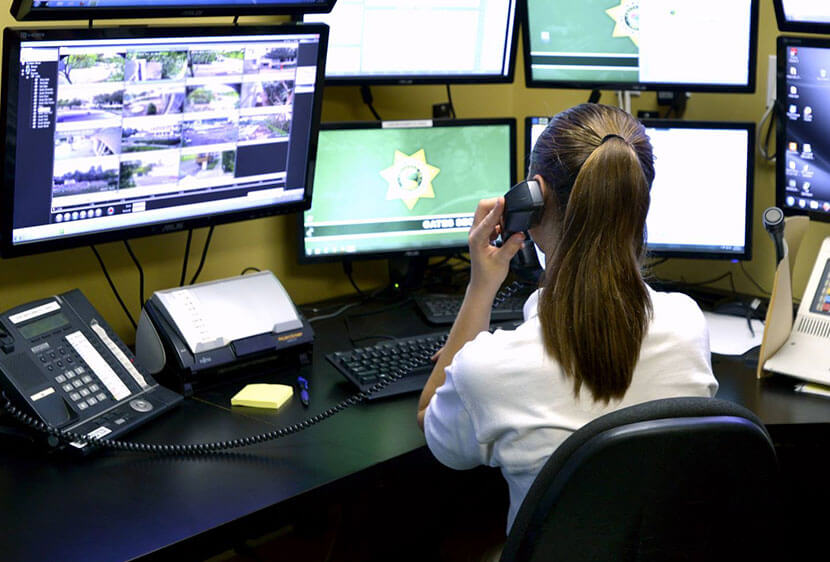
(805,16)
(111,133)
(105,9)
(679,45)
(405,189)
(405,42)
(802,145)
(701,198)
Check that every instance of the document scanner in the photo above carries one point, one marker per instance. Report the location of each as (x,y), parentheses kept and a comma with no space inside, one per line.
(219,330)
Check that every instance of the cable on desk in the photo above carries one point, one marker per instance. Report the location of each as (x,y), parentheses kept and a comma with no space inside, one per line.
(204,255)
(192,448)
(769,118)
(140,274)
(112,286)
(247,269)
(186,257)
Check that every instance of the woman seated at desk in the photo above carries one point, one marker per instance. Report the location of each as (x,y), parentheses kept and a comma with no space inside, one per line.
(595,339)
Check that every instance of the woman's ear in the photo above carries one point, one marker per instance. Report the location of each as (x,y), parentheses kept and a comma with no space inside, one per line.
(543,186)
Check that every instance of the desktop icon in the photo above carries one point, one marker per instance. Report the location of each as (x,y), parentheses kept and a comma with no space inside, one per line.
(808,111)
(74,215)
(825,207)
(790,201)
(802,203)
(792,164)
(793,91)
(792,184)
(58,217)
(793,109)
(793,71)
(98,212)
(793,147)
(823,73)
(807,147)
(814,205)
(793,51)
(806,186)
(110,211)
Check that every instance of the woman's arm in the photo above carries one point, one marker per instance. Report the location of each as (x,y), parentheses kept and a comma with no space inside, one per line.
(488,269)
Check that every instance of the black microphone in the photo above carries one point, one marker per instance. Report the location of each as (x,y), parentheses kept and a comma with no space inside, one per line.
(774,223)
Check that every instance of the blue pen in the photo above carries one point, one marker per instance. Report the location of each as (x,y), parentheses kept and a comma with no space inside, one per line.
(302,383)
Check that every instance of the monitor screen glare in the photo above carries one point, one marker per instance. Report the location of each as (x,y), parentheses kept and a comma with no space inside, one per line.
(639,44)
(803,147)
(403,188)
(404,41)
(111,134)
(696,210)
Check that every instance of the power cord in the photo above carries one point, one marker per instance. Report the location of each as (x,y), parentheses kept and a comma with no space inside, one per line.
(186,257)
(195,448)
(449,102)
(112,286)
(140,274)
(204,255)
(366,94)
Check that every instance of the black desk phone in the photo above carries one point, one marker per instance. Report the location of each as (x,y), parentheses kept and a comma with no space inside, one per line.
(61,362)
(523,207)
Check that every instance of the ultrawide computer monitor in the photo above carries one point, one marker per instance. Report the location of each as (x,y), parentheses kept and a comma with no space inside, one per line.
(806,16)
(701,198)
(104,9)
(802,145)
(121,132)
(434,41)
(681,45)
(403,189)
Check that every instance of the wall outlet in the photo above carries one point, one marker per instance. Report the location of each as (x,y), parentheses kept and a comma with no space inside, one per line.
(772,71)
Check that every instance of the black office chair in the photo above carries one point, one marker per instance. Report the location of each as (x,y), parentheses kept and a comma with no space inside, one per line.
(672,479)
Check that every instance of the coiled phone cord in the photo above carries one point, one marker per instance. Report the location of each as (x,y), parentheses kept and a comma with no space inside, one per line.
(59,435)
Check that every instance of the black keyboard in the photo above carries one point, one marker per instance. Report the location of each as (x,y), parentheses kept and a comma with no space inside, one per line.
(442,309)
(410,357)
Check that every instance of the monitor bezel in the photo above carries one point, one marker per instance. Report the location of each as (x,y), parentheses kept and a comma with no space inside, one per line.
(680,124)
(782,44)
(797,26)
(12,38)
(748,88)
(302,258)
(23,10)
(747,126)
(416,79)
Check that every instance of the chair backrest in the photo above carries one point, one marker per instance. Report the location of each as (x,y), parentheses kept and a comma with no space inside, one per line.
(671,479)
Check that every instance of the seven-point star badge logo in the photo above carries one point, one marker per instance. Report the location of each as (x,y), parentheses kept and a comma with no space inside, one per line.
(410,178)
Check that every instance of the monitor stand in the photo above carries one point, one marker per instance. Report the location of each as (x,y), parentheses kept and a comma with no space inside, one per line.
(406,273)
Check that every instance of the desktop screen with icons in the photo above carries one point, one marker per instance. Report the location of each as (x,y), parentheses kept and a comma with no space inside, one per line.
(112,133)
(403,188)
(696,211)
(641,44)
(803,149)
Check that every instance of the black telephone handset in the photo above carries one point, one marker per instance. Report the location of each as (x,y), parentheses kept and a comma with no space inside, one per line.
(61,362)
(523,206)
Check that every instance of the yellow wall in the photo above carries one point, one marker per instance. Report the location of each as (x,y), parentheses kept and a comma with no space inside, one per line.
(271,243)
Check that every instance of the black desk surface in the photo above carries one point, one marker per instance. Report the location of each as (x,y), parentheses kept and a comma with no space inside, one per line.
(117,506)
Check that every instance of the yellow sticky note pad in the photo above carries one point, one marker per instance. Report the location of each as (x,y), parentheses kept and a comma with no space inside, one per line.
(263,395)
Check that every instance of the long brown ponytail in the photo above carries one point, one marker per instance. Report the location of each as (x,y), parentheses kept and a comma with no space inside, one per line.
(595,306)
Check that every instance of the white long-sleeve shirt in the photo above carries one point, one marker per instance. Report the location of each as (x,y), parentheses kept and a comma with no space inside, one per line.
(506,403)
